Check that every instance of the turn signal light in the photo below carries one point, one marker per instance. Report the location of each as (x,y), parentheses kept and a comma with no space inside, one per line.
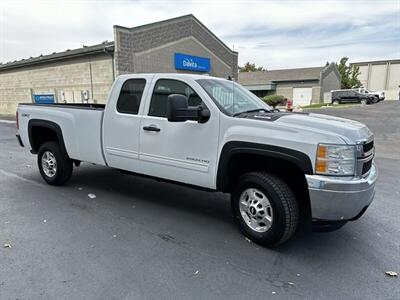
(322,152)
(321,166)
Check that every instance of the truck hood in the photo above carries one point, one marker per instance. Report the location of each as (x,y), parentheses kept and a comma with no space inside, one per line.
(350,131)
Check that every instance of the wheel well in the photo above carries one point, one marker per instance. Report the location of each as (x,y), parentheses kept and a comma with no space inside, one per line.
(40,135)
(288,171)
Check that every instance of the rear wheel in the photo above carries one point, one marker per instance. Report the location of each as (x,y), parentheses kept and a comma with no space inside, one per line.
(364,101)
(335,102)
(265,208)
(54,165)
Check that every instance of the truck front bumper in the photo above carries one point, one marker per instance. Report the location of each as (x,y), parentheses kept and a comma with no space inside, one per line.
(340,198)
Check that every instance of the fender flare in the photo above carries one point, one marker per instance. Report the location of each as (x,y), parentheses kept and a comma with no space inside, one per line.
(47,124)
(230,149)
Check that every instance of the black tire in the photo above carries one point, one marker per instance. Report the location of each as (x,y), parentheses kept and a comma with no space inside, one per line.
(283,202)
(63,162)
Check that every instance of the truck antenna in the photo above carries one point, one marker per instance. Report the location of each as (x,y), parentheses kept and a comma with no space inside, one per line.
(233,79)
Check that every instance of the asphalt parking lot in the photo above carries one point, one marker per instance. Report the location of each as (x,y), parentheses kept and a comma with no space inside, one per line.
(139,238)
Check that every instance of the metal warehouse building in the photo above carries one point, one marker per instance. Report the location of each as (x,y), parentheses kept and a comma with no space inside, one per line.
(304,86)
(383,75)
(181,44)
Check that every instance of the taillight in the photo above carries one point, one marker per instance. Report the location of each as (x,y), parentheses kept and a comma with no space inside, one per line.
(17,119)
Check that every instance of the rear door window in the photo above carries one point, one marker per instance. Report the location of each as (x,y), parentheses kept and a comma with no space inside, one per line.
(130,96)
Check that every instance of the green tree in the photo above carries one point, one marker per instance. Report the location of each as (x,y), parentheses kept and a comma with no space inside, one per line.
(349,74)
(249,67)
(274,100)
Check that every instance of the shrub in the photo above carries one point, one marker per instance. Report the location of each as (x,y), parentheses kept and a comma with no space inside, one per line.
(274,100)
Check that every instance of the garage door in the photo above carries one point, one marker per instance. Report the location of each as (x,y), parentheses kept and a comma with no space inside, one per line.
(302,96)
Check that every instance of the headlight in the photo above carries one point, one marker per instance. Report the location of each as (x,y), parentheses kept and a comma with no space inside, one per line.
(335,160)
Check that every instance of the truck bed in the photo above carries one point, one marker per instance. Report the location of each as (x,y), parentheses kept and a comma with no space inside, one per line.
(81,126)
(93,106)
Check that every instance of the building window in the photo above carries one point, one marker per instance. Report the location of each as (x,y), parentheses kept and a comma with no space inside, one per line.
(166,87)
(130,96)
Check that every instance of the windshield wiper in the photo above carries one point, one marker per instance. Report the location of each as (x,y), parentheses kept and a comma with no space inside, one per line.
(250,111)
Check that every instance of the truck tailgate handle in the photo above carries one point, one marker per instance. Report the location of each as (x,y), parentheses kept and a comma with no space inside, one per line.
(151,128)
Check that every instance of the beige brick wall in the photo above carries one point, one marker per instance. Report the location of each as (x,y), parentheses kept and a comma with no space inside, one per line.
(69,76)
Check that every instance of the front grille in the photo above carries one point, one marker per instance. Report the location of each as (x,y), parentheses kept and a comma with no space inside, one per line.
(365,158)
(366,167)
(368,147)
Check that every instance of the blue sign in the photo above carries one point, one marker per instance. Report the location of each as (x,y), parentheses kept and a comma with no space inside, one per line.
(192,63)
(44,98)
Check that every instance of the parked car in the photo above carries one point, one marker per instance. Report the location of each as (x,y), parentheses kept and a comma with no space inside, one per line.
(378,94)
(213,134)
(352,96)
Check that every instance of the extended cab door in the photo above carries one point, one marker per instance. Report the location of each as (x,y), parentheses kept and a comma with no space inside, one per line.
(121,126)
(179,151)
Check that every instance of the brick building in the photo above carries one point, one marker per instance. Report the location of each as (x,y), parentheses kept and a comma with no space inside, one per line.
(181,44)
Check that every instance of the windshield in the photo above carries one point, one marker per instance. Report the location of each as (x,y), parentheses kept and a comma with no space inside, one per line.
(230,97)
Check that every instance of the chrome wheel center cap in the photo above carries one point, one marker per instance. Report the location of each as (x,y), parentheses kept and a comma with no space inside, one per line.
(252,210)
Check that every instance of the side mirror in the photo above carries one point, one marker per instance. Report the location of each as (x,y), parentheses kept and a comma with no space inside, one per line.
(178,110)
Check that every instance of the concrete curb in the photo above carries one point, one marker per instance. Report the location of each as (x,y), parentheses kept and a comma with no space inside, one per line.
(7,121)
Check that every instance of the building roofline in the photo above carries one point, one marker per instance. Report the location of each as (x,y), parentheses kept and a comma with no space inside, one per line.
(188,16)
(106,47)
(282,76)
(153,24)
(295,80)
(306,68)
(291,69)
(376,62)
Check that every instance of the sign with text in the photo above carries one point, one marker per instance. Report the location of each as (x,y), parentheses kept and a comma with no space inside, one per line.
(192,63)
(44,98)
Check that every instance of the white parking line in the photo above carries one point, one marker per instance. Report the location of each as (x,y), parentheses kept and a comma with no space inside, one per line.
(12,175)
(7,121)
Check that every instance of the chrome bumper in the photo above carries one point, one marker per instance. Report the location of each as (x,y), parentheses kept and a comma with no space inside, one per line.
(339,198)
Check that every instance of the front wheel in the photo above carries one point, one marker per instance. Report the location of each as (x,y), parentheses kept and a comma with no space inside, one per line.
(364,101)
(265,208)
(54,165)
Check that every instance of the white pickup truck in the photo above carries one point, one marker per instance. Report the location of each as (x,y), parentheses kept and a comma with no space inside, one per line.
(380,96)
(213,134)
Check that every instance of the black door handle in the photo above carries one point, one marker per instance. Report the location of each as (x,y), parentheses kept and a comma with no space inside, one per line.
(151,128)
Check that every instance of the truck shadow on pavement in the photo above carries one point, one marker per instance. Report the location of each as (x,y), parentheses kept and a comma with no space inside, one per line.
(120,192)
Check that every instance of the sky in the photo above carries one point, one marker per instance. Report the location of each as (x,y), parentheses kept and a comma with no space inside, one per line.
(272,34)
